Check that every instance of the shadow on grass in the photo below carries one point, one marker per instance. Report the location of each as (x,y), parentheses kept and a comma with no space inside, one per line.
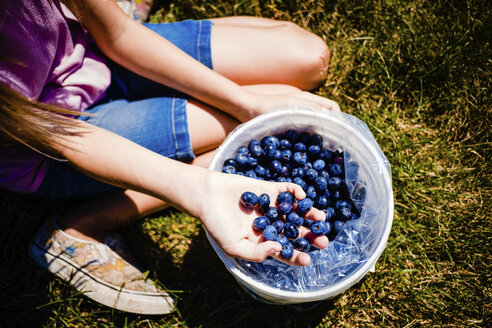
(207,294)
(211,297)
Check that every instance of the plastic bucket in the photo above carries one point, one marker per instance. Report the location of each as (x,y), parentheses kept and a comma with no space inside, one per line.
(366,166)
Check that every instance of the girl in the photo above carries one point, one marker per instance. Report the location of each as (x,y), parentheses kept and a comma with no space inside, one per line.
(97,107)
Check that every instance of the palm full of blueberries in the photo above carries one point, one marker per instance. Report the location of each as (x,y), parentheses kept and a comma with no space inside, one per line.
(299,158)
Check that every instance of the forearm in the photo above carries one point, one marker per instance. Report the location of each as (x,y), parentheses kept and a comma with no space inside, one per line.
(145,52)
(115,160)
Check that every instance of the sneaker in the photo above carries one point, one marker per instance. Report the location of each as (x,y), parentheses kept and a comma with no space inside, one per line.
(102,271)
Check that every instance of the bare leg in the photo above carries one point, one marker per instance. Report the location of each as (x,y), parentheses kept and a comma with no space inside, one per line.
(208,128)
(252,50)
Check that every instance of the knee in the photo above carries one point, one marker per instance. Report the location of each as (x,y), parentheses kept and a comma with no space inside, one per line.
(311,57)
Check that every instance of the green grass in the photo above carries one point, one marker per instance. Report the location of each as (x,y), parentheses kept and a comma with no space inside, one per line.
(419,73)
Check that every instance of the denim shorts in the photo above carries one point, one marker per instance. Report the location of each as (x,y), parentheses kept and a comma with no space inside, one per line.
(143,111)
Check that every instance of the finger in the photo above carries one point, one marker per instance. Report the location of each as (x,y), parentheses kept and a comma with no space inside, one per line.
(254,251)
(296,190)
(322,102)
(315,214)
(318,241)
(298,258)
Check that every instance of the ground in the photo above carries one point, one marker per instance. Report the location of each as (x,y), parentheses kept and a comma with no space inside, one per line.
(419,74)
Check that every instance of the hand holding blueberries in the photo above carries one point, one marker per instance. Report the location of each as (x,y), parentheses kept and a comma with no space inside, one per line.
(230,219)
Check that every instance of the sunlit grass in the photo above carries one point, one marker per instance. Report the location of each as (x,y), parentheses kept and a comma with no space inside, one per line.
(419,74)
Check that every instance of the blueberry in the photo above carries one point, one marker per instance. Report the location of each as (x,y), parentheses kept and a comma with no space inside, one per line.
(260,223)
(325,155)
(344,214)
(282,240)
(240,173)
(269,233)
(311,192)
(330,213)
(230,161)
(251,174)
(299,147)
(308,166)
(298,172)
(253,143)
(307,223)
(343,203)
(284,208)
(270,140)
(317,140)
(243,150)
(291,231)
(314,151)
(288,179)
(281,179)
(276,166)
(322,202)
(334,183)
(287,251)
(301,244)
(286,155)
(336,170)
(229,169)
(354,216)
(295,218)
(285,197)
(319,228)
(241,159)
(300,182)
(272,214)
(320,184)
(285,144)
(311,175)
(249,199)
(264,201)
(299,158)
(292,136)
(338,226)
(256,151)
(324,174)
(274,154)
(335,196)
(279,225)
(252,162)
(304,205)
(285,170)
(319,165)
(260,171)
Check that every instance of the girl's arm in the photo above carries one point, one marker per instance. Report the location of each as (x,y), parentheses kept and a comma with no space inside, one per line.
(211,196)
(141,50)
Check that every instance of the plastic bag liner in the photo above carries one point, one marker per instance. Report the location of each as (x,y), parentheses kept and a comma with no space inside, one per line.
(359,244)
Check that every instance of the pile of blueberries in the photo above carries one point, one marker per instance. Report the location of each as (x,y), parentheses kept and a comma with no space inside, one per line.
(297,157)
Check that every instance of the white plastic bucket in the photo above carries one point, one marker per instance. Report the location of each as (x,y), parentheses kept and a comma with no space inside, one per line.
(339,130)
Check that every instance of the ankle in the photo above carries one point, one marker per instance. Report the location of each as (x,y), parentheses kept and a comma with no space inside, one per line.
(80,231)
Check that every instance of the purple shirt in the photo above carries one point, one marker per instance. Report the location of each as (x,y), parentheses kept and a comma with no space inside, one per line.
(61,66)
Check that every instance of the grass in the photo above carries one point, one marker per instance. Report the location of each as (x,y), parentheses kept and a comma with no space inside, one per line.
(419,73)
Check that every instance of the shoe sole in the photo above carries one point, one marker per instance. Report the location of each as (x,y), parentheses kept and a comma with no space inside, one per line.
(100,291)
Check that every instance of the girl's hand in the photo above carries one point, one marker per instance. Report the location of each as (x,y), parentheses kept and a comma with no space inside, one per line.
(263,103)
(231,224)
